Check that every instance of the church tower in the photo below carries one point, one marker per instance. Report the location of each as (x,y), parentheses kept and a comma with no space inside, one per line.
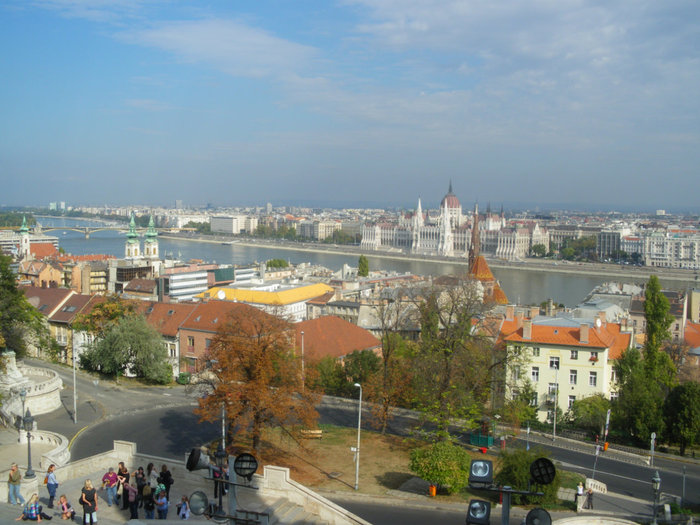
(24,244)
(132,249)
(150,245)
(446,243)
(416,228)
(475,245)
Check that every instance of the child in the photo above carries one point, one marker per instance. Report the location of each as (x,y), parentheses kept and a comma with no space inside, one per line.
(64,507)
(149,504)
(183,509)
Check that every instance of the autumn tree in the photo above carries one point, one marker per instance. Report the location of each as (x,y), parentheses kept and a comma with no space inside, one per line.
(104,315)
(256,376)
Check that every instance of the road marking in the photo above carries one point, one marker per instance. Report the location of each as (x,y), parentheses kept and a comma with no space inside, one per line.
(598,471)
(76,435)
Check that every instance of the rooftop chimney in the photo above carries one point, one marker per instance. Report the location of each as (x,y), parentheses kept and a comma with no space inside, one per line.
(527,328)
(602,316)
(510,312)
(584,333)
(534,311)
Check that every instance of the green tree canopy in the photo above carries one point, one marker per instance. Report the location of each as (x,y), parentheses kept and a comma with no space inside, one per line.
(277,263)
(20,322)
(104,315)
(590,413)
(682,410)
(132,346)
(443,464)
(514,471)
(362,266)
(539,250)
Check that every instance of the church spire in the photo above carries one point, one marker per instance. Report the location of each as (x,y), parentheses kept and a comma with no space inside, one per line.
(132,248)
(475,241)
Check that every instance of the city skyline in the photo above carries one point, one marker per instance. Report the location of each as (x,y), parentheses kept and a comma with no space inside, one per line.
(359,102)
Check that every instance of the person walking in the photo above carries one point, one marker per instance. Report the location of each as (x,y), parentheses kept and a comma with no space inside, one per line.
(88,499)
(51,484)
(110,481)
(14,482)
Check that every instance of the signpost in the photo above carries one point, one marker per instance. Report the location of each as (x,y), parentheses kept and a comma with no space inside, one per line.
(653,440)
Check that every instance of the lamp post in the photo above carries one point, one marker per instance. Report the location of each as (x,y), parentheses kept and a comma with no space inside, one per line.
(357,449)
(556,402)
(75,392)
(303,379)
(28,424)
(220,458)
(23,397)
(656,487)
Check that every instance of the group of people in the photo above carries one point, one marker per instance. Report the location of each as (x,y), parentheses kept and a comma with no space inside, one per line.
(584,500)
(148,489)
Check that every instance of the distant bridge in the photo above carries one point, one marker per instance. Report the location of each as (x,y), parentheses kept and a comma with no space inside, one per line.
(87,230)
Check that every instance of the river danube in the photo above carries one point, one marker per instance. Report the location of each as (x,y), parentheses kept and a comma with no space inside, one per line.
(520,285)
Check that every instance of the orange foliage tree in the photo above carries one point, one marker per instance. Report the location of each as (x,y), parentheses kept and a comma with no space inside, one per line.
(256,376)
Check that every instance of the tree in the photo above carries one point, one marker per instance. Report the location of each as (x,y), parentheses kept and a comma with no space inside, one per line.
(361,365)
(539,250)
(256,376)
(442,463)
(331,377)
(514,471)
(277,263)
(590,413)
(658,321)
(454,357)
(104,315)
(682,409)
(362,266)
(130,346)
(19,321)
(520,409)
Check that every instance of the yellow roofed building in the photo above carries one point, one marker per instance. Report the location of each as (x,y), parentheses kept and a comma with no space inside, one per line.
(281,299)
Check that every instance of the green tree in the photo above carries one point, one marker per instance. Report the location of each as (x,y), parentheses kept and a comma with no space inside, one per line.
(277,263)
(590,413)
(362,266)
(331,378)
(443,464)
(514,471)
(658,321)
(517,411)
(200,227)
(20,322)
(131,346)
(682,409)
(361,365)
(104,315)
(539,250)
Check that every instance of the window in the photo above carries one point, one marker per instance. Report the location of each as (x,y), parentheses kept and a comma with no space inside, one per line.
(594,356)
(516,394)
(554,362)
(571,401)
(207,343)
(190,341)
(614,396)
(552,389)
(535,374)
(550,416)
(516,373)
(536,351)
(613,376)
(593,379)
(533,401)
(574,354)
(573,376)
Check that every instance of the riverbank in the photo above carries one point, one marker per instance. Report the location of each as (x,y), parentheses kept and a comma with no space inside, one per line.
(614,271)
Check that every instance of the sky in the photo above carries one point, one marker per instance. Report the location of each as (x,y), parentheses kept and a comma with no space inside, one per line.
(592,104)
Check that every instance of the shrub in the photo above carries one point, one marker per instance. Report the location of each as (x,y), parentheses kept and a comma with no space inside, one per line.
(443,464)
(514,471)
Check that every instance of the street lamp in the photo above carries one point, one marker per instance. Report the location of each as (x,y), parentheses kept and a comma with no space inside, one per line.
(357,449)
(556,402)
(656,487)
(75,392)
(28,424)
(220,459)
(23,397)
(303,381)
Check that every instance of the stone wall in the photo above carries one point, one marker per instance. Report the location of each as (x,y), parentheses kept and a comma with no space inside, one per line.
(43,396)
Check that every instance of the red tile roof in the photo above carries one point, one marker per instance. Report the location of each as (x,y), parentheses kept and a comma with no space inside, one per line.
(208,317)
(692,334)
(332,336)
(166,317)
(40,250)
(46,300)
(71,308)
(480,270)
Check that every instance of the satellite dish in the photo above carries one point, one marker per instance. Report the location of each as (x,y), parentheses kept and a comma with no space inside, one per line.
(542,471)
(221,295)
(538,517)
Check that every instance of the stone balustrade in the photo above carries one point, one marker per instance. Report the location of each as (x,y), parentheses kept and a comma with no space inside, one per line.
(42,396)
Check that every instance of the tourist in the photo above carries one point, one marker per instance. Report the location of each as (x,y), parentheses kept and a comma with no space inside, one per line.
(51,484)
(139,480)
(131,494)
(589,499)
(65,508)
(166,479)
(579,495)
(88,499)
(123,476)
(162,505)
(149,504)
(183,509)
(32,510)
(14,482)
(110,481)
(152,475)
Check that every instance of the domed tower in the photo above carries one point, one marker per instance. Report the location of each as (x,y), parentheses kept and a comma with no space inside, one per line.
(132,249)
(150,245)
(453,206)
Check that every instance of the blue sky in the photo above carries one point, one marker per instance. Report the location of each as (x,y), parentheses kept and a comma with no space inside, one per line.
(594,104)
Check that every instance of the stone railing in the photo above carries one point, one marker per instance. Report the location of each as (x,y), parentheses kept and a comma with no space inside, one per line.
(276,482)
(59,455)
(45,396)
